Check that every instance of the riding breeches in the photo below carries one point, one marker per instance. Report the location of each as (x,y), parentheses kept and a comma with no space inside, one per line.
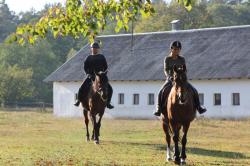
(163,95)
(84,89)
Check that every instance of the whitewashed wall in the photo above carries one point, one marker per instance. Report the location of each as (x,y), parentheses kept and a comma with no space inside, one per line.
(64,96)
(128,109)
(226,87)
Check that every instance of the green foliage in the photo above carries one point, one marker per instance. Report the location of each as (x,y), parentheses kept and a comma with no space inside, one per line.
(15,83)
(81,19)
(7,21)
(39,59)
(44,56)
(165,13)
(204,14)
(71,53)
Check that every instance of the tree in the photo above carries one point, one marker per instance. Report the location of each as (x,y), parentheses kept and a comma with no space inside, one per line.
(7,21)
(39,58)
(165,13)
(85,18)
(15,83)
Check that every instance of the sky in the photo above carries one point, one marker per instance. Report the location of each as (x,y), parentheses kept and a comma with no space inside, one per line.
(25,5)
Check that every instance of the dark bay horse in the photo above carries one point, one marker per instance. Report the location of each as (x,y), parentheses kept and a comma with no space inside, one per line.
(95,104)
(179,113)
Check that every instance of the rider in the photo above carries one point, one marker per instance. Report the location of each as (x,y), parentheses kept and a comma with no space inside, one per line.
(173,58)
(93,63)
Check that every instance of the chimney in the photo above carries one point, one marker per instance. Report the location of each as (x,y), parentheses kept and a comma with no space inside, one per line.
(176,25)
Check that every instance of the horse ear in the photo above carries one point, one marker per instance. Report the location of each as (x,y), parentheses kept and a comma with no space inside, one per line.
(175,68)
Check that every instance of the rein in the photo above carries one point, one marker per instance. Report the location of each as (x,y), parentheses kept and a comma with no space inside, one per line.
(100,92)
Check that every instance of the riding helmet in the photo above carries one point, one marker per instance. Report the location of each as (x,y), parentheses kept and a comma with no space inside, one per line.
(176,44)
(95,45)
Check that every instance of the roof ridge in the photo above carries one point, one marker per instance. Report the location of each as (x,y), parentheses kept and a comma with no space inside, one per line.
(178,31)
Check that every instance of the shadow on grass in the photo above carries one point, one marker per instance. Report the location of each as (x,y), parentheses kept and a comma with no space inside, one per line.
(216,153)
(191,150)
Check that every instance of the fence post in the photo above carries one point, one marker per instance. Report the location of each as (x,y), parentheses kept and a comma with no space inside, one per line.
(43,106)
(16,105)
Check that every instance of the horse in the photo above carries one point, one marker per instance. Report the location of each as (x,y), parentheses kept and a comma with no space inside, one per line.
(180,112)
(94,104)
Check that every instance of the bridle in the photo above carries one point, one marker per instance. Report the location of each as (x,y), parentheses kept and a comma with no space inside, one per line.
(180,81)
(100,89)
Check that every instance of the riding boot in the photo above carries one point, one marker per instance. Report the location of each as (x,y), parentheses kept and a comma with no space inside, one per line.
(162,97)
(199,108)
(158,106)
(77,103)
(82,90)
(110,92)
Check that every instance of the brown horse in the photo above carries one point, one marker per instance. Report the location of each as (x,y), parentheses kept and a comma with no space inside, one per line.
(179,113)
(95,104)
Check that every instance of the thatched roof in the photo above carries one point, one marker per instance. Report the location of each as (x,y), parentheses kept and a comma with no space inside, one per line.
(211,53)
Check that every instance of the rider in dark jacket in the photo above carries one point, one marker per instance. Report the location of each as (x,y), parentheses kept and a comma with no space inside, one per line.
(174,59)
(93,64)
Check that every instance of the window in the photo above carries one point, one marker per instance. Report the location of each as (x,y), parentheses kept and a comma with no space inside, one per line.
(136,99)
(201,98)
(151,98)
(121,98)
(236,99)
(217,99)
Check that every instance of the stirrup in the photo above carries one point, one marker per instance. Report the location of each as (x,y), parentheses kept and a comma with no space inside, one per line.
(202,110)
(110,106)
(77,103)
(157,112)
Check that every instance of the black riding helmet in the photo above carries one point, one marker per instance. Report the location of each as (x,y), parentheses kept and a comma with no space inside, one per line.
(95,45)
(175,44)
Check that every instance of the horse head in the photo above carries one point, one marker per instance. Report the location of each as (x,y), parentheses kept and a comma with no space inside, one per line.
(180,82)
(101,84)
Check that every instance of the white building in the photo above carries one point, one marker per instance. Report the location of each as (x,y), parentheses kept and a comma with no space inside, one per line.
(218,63)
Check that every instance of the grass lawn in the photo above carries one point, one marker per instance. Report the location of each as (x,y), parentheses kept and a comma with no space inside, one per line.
(35,138)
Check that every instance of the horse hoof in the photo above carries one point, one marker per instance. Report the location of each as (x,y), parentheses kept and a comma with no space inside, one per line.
(183,162)
(168,159)
(96,142)
(177,161)
(87,139)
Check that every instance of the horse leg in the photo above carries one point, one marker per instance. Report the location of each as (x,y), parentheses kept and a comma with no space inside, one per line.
(168,138)
(93,133)
(86,119)
(96,139)
(99,124)
(184,142)
(176,147)
(93,129)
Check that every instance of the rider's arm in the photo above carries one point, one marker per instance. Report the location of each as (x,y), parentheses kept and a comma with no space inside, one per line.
(166,67)
(105,65)
(87,66)
(184,62)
